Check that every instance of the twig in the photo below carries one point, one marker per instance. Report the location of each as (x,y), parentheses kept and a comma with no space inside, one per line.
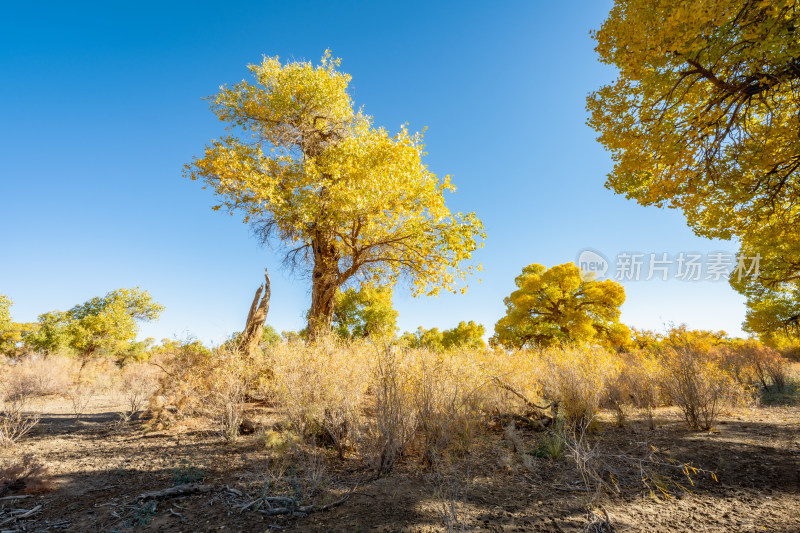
(20,497)
(233,491)
(170,374)
(527,402)
(247,505)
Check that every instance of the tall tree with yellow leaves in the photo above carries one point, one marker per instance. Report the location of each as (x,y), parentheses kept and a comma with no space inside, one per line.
(560,305)
(704,116)
(346,198)
(705,112)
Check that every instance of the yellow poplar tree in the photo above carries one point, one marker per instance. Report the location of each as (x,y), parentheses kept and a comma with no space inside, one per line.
(773,293)
(705,112)
(704,117)
(560,305)
(345,197)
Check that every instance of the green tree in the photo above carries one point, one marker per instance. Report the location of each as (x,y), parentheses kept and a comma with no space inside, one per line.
(269,337)
(13,338)
(465,335)
(346,198)
(429,339)
(51,333)
(366,312)
(772,289)
(102,326)
(109,323)
(558,305)
(773,308)
(11,333)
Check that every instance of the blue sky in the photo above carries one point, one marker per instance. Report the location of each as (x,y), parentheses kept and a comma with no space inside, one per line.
(101,106)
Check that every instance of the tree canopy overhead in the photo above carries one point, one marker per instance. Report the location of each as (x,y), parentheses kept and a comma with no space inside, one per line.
(345,197)
(704,115)
(559,305)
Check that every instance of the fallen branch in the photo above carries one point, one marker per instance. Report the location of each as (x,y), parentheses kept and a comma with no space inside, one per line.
(519,395)
(170,374)
(537,425)
(25,514)
(291,507)
(233,491)
(19,497)
(179,490)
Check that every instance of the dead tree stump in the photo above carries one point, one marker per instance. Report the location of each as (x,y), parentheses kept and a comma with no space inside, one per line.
(253,329)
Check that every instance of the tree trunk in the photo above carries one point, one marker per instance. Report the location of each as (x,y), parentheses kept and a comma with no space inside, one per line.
(254,328)
(325,281)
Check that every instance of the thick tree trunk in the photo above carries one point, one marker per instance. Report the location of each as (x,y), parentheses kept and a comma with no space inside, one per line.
(325,281)
(253,329)
(320,315)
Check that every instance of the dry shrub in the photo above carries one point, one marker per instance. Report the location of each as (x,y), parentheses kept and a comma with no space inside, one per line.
(699,385)
(503,372)
(388,402)
(638,384)
(92,379)
(37,376)
(578,378)
(752,362)
(378,400)
(25,475)
(196,381)
(139,382)
(223,390)
(446,399)
(80,396)
(393,424)
(183,368)
(322,388)
(15,421)
(451,488)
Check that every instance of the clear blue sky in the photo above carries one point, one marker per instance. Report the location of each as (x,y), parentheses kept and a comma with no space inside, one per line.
(101,107)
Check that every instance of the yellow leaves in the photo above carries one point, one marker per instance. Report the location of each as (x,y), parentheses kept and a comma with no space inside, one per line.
(558,306)
(5,314)
(681,120)
(314,169)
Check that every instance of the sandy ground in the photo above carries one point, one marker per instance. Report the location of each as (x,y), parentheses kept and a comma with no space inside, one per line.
(100,467)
